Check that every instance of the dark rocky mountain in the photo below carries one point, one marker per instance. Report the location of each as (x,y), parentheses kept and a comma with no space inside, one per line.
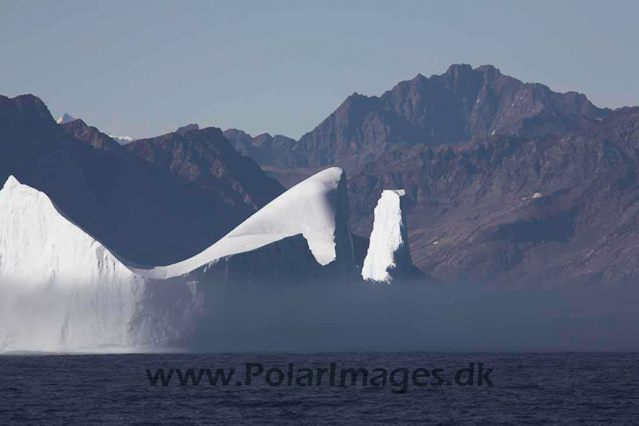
(207,159)
(187,128)
(518,210)
(268,151)
(91,135)
(459,105)
(141,211)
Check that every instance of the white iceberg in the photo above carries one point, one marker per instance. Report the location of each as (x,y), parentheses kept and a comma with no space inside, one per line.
(62,290)
(388,255)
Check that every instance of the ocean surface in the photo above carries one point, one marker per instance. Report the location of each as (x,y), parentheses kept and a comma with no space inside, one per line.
(527,389)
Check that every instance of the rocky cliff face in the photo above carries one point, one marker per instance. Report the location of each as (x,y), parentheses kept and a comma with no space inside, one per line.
(512,209)
(459,105)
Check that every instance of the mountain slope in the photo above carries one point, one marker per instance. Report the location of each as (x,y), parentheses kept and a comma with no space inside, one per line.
(513,209)
(137,209)
(91,135)
(207,159)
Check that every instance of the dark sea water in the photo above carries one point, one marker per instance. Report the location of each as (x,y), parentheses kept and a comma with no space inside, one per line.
(528,389)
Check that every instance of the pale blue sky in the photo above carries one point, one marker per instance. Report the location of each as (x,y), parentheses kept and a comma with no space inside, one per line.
(144,68)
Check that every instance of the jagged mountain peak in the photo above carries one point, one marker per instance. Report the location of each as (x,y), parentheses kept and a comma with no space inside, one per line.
(25,110)
(457,106)
(266,149)
(188,127)
(459,69)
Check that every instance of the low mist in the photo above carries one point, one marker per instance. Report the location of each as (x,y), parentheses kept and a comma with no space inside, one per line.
(322,317)
(460,316)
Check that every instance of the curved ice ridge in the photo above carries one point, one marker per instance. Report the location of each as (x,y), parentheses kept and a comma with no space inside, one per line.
(317,208)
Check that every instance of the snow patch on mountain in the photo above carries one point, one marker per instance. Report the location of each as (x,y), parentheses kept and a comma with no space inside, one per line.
(388,255)
(122,140)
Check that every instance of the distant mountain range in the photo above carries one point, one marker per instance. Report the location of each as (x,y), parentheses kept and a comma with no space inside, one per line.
(505,181)
(457,106)
(267,150)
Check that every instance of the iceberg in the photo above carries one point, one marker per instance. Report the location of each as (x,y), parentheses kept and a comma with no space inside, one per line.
(388,255)
(62,290)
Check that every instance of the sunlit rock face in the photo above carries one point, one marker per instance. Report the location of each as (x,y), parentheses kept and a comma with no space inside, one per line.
(388,257)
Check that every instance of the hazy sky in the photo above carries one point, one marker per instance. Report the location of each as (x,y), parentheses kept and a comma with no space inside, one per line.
(144,68)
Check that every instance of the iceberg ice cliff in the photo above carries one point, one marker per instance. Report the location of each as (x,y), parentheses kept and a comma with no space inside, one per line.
(37,243)
(388,255)
(60,289)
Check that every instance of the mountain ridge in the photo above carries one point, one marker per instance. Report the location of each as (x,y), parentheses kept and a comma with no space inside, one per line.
(449,108)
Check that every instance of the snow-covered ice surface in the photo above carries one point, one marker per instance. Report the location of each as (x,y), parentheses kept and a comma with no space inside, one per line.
(317,208)
(60,289)
(388,253)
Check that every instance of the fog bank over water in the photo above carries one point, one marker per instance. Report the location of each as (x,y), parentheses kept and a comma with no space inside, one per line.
(418,317)
(322,317)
